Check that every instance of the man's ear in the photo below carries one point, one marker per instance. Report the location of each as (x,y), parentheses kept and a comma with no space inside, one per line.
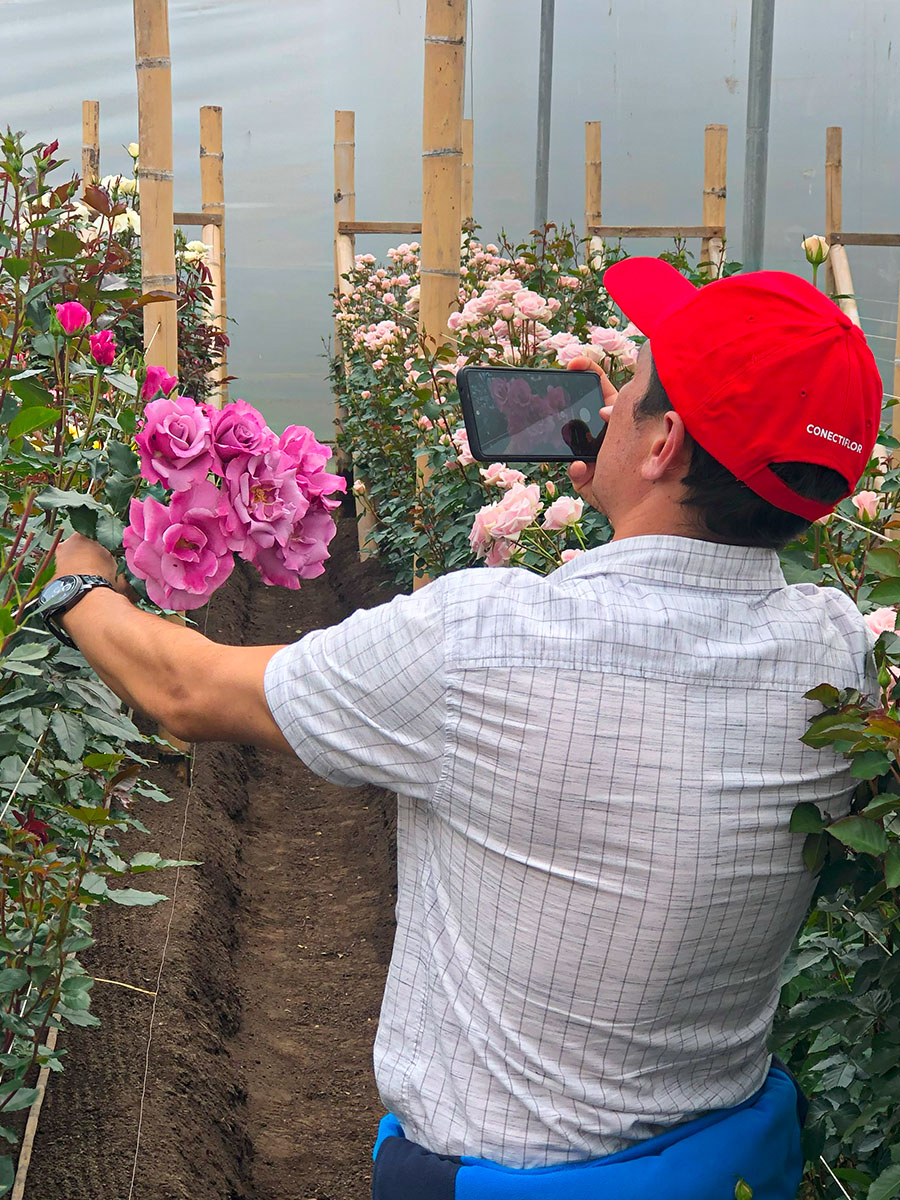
(670,451)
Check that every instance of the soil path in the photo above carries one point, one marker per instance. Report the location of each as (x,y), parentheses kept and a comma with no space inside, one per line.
(260,1081)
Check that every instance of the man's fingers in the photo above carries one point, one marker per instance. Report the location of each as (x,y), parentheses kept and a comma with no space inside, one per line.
(580,474)
(586,364)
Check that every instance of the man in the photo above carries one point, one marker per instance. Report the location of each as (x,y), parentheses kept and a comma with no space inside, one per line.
(596,880)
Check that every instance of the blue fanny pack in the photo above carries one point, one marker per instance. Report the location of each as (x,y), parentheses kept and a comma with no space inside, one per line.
(757,1141)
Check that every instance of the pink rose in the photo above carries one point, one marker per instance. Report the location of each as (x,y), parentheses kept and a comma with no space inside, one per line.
(238,429)
(568,555)
(563,512)
(175,442)
(73,317)
(179,549)
(881,620)
(301,447)
(516,510)
(866,504)
(498,474)
(499,554)
(103,348)
(261,502)
(461,442)
(610,341)
(158,380)
(302,556)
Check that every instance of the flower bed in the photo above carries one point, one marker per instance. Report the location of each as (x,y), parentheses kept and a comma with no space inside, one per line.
(82,453)
(540,303)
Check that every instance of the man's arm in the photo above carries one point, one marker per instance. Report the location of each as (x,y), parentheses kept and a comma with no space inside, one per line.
(196,688)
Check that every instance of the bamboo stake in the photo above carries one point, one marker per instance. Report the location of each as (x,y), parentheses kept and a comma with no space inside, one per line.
(151,50)
(90,143)
(344,244)
(154,79)
(843,282)
(715,171)
(833,193)
(212,202)
(468,169)
(31,1126)
(593,175)
(442,115)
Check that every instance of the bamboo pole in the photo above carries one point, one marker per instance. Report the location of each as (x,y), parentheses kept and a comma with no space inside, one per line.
(90,143)
(715,171)
(442,115)
(212,202)
(834,208)
(344,244)
(154,78)
(593,181)
(839,269)
(468,170)
(31,1127)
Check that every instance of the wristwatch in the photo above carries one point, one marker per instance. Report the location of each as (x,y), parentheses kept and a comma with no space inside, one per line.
(60,595)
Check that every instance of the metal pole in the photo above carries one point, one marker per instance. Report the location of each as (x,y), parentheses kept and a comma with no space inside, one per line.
(759,92)
(545,88)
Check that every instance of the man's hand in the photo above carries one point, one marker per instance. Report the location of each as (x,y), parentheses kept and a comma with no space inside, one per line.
(78,555)
(581,474)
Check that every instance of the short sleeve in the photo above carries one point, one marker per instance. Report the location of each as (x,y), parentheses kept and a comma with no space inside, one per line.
(364,701)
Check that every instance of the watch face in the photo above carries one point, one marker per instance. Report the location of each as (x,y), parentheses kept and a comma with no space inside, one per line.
(58,591)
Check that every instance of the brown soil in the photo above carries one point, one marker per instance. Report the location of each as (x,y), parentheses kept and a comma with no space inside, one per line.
(260,1080)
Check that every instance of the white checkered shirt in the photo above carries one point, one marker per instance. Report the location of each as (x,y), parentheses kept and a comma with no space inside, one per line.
(596,881)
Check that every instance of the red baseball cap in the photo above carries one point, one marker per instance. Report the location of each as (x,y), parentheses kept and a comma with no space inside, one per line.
(762,368)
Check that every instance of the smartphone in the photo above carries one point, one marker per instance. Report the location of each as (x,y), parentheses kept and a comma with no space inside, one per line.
(521,414)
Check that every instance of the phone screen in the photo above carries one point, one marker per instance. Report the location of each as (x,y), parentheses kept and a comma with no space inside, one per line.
(529,415)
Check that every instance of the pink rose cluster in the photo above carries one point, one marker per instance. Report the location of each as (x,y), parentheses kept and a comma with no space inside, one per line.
(497,527)
(269,501)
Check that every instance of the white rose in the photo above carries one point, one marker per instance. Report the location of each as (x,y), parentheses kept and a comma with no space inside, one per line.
(816,249)
(133,149)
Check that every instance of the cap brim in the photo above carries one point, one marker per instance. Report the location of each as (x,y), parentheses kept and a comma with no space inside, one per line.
(647,290)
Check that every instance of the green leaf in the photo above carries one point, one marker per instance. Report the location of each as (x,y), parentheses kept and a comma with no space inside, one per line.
(887,1184)
(31,393)
(892,866)
(16,267)
(11,979)
(133,896)
(7,1174)
(860,834)
(23,1098)
(70,734)
(64,243)
(806,818)
(815,851)
(99,761)
(886,592)
(54,497)
(90,816)
(29,420)
(122,459)
(125,383)
(870,764)
(109,530)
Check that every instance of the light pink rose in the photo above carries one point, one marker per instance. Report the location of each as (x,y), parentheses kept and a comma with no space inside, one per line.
(461,442)
(574,350)
(158,380)
(73,317)
(238,429)
(563,512)
(498,474)
(568,555)
(261,502)
(881,620)
(179,549)
(610,341)
(866,504)
(514,512)
(175,443)
(499,553)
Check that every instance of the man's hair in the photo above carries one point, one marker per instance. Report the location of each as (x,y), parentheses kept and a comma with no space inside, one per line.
(728,508)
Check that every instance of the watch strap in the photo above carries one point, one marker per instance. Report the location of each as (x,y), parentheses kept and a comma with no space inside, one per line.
(51,618)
